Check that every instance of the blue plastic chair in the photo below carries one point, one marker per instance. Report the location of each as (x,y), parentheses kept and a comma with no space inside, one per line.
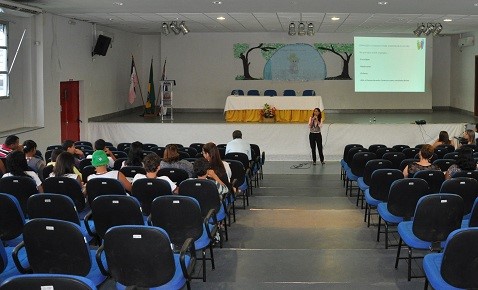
(473,220)
(11,220)
(455,267)
(430,226)
(253,93)
(308,93)
(270,93)
(289,93)
(7,266)
(237,92)
(364,181)
(55,281)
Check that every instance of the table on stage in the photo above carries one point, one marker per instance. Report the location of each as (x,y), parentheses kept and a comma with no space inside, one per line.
(289,109)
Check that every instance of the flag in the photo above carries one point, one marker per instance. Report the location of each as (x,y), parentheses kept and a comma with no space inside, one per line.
(163,77)
(132,83)
(150,103)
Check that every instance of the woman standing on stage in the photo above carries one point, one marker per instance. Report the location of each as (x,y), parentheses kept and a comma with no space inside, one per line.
(315,136)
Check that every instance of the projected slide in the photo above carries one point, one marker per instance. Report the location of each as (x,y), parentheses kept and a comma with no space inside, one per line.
(389,64)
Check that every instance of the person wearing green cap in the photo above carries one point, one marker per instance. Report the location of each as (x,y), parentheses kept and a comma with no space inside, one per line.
(100,161)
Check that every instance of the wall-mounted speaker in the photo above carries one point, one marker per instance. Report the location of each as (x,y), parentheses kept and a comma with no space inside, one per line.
(102,44)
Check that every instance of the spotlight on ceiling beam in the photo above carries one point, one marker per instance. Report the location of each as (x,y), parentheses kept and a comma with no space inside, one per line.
(438,29)
(184,28)
(174,27)
(419,30)
(165,28)
(310,29)
(301,29)
(430,29)
(292,28)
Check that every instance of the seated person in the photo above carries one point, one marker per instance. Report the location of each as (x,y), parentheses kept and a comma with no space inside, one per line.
(203,170)
(443,139)
(238,145)
(425,154)
(135,155)
(152,166)
(64,165)
(171,160)
(464,162)
(69,146)
(17,166)
(54,155)
(12,143)
(100,162)
(35,163)
(100,144)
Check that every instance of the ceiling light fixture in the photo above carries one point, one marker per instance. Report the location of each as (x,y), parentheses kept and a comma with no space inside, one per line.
(431,28)
(335,18)
(447,20)
(419,30)
(292,28)
(438,29)
(174,27)
(301,29)
(184,28)
(165,28)
(118,3)
(382,2)
(221,18)
(217,2)
(310,29)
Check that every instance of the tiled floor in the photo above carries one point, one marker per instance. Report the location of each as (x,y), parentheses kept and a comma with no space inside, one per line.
(302,232)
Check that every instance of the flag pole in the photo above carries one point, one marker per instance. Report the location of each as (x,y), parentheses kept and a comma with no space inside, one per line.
(139,85)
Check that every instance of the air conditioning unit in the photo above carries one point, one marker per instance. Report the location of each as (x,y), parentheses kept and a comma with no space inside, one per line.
(466,41)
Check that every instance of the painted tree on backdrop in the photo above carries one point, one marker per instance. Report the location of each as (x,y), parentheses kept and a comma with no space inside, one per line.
(241,51)
(347,49)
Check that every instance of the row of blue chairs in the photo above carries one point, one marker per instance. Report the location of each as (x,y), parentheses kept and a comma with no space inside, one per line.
(273,93)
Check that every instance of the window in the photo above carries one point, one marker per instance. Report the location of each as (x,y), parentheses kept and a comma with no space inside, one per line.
(4,91)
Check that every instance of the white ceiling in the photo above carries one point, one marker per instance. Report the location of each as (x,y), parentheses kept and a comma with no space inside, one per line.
(356,16)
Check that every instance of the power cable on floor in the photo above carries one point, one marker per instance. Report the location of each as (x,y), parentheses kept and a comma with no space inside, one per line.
(301,166)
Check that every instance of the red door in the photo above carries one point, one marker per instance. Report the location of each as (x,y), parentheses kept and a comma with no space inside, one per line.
(70,110)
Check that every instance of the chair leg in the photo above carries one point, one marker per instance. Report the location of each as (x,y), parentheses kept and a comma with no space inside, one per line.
(212,256)
(409,264)
(365,214)
(204,265)
(398,252)
(234,211)
(369,213)
(225,231)
(358,197)
(379,224)
(386,234)
(426,284)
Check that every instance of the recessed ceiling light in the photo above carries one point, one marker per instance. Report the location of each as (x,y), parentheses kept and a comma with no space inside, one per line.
(382,2)
(447,20)
(221,18)
(476,4)
(110,19)
(217,2)
(118,3)
(335,18)
(1,10)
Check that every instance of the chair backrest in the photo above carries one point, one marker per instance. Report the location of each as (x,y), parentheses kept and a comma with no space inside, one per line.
(148,262)
(430,223)
(103,186)
(359,161)
(158,150)
(451,155)
(395,157)
(381,151)
(441,151)
(131,171)
(197,146)
(11,217)
(373,165)
(352,152)
(242,157)
(46,171)
(47,155)
(406,162)
(347,148)
(237,92)
(180,216)
(404,195)
(459,265)
(222,152)
(108,144)
(117,165)
(471,174)
(400,147)
(177,175)
(87,171)
(308,93)
(52,206)
(119,154)
(148,146)
(434,179)
(238,171)
(22,187)
(410,152)
(270,93)
(123,146)
(184,155)
(253,93)
(204,191)
(381,181)
(83,147)
(53,147)
(373,148)
(465,187)
(289,93)
(56,246)
(474,215)
(471,146)
(114,210)
(444,164)
(66,186)
(47,281)
(83,143)
(83,163)
(146,190)
(189,150)
(448,147)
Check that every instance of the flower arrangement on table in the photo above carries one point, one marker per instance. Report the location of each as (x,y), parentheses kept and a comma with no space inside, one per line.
(268,111)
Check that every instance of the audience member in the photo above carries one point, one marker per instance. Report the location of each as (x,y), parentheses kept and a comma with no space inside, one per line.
(464,162)
(152,165)
(469,136)
(12,143)
(35,163)
(64,166)
(221,168)
(202,170)
(54,155)
(237,144)
(135,155)
(17,166)
(443,139)
(69,146)
(425,154)
(171,160)
(100,144)
(100,162)
(3,170)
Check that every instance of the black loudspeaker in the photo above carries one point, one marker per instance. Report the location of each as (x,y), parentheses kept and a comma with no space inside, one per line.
(102,44)
(420,122)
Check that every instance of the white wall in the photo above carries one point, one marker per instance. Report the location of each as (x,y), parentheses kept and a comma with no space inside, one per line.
(205,68)
(441,71)
(462,84)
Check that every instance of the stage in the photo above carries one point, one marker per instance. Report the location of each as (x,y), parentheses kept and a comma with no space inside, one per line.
(283,141)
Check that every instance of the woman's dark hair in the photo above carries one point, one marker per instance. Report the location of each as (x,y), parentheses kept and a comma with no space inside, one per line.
(465,160)
(29,145)
(444,138)
(55,153)
(427,151)
(151,162)
(215,162)
(64,164)
(17,164)
(171,154)
(319,117)
(135,154)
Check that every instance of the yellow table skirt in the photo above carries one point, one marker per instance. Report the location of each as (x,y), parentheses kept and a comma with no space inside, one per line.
(283,116)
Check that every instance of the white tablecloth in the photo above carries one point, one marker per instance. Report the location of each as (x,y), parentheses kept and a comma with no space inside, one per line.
(280,102)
